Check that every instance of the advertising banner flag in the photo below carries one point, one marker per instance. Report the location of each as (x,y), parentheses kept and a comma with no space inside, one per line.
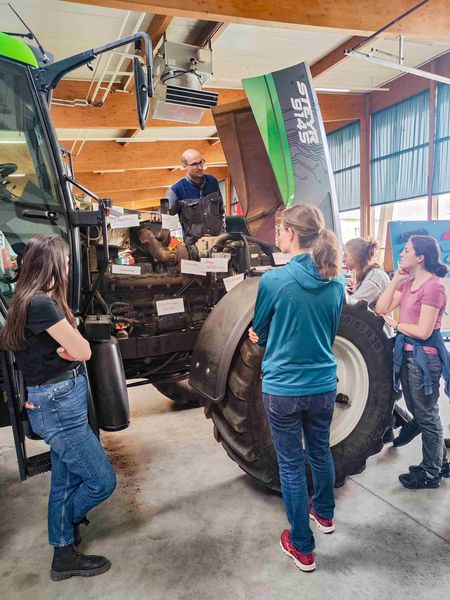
(286,109)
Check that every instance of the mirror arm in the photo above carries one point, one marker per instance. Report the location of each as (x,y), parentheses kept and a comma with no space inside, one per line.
(97,217)
(49,76)
(78,218)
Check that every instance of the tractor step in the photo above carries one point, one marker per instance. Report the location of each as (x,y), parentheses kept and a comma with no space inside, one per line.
(40,463)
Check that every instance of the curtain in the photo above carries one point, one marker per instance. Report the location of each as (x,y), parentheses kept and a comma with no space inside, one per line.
(345,155)
(399,150)
(441,174)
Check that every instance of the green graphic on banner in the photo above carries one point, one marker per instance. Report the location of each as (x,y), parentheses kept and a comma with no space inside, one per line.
(287,113)
(263,98)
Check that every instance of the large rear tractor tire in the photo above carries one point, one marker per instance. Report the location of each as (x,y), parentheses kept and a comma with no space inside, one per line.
(364,358)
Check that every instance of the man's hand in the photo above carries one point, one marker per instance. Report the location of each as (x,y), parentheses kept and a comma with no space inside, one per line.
(252,335)
(62,353)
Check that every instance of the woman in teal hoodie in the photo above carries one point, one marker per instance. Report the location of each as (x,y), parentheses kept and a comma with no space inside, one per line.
(296,318)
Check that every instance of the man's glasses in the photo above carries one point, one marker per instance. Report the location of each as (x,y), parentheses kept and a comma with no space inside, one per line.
(199,163)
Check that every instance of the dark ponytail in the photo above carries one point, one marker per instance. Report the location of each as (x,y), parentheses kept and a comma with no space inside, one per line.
(428,247)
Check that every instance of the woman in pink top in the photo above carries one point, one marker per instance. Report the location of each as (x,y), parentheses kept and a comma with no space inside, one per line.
(419,294)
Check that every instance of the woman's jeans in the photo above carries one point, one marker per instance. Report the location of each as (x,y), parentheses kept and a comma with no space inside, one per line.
(425,409)
(82,475)
(289,416)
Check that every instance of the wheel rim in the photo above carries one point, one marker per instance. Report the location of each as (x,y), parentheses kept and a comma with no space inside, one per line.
(353,382)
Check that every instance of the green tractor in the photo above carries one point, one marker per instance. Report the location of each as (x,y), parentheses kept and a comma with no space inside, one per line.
(184,332)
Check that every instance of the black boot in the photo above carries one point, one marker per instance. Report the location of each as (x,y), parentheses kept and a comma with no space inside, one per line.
(401,416)
(76,531)
(407,433)
(67,562)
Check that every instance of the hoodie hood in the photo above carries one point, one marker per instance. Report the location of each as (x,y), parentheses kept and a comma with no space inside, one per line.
(304,271)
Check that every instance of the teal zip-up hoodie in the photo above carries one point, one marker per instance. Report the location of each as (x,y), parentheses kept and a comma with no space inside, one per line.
(297,315)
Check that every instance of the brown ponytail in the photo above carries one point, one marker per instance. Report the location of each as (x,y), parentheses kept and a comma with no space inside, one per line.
(363,252)
(308,223)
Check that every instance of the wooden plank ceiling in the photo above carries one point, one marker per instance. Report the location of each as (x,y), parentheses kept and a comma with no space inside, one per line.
(135,173)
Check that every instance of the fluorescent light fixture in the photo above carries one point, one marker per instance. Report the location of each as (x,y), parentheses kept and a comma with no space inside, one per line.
(397,67)
(17,175)
(334,90)
(353,90)
(13,142)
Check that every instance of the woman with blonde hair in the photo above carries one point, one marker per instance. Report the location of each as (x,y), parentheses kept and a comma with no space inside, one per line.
(371,280)
(296,318)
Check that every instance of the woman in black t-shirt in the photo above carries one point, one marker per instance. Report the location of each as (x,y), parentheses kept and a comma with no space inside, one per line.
(41,331)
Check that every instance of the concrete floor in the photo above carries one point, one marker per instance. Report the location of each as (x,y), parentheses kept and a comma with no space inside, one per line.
(185,523)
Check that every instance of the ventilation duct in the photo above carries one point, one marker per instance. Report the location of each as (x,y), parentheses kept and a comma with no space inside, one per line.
(180,72)
(175,103)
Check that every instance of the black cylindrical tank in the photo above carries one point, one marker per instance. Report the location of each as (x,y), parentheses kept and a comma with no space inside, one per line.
(108,385)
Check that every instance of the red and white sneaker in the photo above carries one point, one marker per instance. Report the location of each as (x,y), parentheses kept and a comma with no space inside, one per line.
(323,525)
(305,562)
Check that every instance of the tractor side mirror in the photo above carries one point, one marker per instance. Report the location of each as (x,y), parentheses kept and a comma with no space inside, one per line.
(142,92)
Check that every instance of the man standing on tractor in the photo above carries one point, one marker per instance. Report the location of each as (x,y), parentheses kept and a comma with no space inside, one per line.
(197,200)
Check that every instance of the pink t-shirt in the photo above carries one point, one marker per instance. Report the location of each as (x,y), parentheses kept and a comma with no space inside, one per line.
(432,293)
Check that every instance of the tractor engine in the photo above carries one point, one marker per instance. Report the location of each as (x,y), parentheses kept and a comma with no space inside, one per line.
(153,309)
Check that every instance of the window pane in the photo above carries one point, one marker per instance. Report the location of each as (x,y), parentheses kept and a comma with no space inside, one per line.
(350,224)
(28,184)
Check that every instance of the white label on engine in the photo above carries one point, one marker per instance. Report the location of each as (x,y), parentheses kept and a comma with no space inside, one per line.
(216,265)
(193,267)
(124,221)
(280,258)
(116,211)
(231,282)
(169,307)
(262,268)
(125,270)
(170,222)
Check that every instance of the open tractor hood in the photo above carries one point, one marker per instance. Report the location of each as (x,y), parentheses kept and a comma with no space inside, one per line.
(276,149)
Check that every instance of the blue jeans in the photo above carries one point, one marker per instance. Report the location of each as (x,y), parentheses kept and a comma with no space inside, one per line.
(82,475)
(425,410)
(289,416)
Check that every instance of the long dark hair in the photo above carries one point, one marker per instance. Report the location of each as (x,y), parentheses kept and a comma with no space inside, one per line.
(428,247)
(308,223)
(43,270)
(363,252)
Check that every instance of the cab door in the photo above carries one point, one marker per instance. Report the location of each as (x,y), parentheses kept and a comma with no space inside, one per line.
(31,203)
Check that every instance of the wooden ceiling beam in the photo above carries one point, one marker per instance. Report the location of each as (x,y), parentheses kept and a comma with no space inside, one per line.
(432,21)
(119,110)
(103,156)
(126,197)
(335,57)
(136,180)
